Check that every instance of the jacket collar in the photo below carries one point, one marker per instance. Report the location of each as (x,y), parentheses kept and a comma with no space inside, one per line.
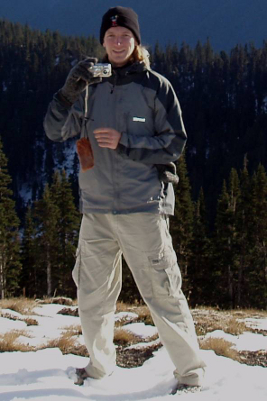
(128,69)
(127,73)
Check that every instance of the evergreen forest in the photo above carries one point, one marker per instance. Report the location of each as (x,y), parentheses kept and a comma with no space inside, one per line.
(220,225)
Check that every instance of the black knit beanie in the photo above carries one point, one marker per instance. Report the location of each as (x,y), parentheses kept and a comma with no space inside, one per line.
(120,16)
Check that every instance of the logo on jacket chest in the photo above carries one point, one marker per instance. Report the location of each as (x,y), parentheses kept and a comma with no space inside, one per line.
(139,119)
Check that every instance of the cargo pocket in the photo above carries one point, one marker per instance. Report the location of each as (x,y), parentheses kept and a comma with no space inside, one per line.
(76,272)
(165,274)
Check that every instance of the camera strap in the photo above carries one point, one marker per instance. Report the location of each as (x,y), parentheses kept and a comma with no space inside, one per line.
(85,116)
(83,146)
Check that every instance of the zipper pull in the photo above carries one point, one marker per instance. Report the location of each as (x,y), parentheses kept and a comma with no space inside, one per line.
(114,82)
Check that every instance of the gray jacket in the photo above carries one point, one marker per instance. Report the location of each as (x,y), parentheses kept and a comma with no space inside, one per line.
(142,105)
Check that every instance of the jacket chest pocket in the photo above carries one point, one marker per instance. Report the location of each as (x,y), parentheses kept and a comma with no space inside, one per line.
(139,123)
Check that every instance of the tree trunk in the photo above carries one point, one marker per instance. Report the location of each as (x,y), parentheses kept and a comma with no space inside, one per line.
(240,282)
(2,280)
(49,277)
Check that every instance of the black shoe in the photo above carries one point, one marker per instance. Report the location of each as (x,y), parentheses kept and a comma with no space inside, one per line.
(185,388)
(81,376)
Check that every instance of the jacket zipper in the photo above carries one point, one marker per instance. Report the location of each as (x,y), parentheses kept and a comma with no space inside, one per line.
(114,83)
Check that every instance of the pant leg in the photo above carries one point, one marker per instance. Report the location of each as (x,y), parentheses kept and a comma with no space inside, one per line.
(147,247)
(97,274)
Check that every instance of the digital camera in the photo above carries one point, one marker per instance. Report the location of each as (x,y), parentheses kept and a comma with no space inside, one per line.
(101,70)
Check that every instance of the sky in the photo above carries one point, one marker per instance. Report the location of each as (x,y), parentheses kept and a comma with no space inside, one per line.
(226,22)
(48,375)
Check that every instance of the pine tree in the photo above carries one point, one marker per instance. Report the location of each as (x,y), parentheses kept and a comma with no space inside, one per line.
(221,254)
(244,240)
(74,179)
(50,241)
(200,259)
(47,217)
(234,203)
(182,222)
(30,277)
(258,268)
(10,265)
(225,250)
(68,228)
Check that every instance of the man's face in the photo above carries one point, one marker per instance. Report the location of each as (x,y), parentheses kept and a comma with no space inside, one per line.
(119,43)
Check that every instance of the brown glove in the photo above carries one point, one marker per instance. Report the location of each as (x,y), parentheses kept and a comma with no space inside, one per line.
(79,77)
(85,154)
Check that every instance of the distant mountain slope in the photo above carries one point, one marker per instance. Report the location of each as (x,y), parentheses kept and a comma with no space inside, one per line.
(225,22)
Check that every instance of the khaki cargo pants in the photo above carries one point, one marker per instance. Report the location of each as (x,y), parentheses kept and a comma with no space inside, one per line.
(146,244)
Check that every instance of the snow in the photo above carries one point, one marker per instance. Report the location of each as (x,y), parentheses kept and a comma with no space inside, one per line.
(260,324)
(245,342)
(69,154)
(125,316)
(7,325)
(141,329)
(25,192)
(48,375)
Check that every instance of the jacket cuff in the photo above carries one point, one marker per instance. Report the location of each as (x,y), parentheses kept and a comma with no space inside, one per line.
(62,100)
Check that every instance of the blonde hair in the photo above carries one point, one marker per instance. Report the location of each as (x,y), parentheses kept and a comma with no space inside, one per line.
(140,53)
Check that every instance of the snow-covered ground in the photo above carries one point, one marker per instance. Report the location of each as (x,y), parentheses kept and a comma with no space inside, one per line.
(48,375)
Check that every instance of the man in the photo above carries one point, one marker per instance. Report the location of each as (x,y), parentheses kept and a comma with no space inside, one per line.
(134,125)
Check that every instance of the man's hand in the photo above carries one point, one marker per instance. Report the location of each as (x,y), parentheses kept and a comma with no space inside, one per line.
(79,77)
(107,137)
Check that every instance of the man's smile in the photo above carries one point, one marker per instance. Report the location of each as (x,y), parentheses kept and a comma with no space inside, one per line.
(118,51)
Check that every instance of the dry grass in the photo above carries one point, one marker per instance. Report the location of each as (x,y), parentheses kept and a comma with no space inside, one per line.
(234,326)
(210,320)
(28,320)
(67,345)
(125,337)
(9,343)
(125,320)
(249,313)
(142,311)
(123,307)
(220,347)
(58,300)
(206,320)
(24,306)
(144,315)
(74,330)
